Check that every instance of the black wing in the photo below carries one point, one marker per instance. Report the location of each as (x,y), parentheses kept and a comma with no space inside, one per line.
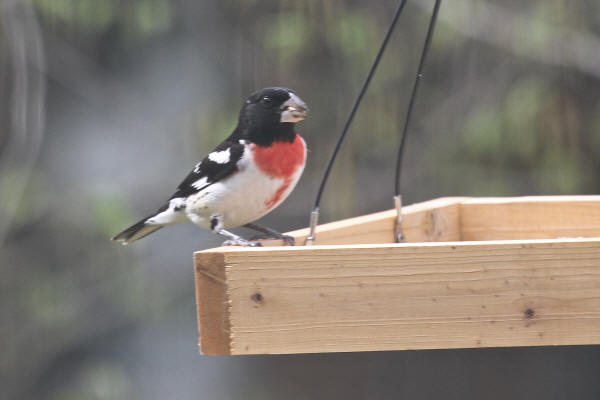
(212,168)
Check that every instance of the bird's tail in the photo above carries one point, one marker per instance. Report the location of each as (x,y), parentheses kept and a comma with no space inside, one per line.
(137,231)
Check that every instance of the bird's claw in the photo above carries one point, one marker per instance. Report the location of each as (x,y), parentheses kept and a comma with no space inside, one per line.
(288,239)
(241,242)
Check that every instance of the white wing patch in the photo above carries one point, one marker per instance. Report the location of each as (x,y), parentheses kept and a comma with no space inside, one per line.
(200,183)
(171,215)
(220,157)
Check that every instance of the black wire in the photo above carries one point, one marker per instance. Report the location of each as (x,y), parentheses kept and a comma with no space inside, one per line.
(357,103)
(430,30)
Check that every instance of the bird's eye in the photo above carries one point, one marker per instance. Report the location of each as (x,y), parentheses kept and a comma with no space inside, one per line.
(267,101)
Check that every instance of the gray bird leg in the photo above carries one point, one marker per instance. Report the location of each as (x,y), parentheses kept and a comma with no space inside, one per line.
(271,233)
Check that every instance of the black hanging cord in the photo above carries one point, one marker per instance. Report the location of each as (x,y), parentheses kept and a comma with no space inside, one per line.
(358,100)
(430,30)
(315,212)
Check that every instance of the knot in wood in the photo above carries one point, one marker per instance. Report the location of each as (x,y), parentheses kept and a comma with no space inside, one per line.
(257,297)
(529,313)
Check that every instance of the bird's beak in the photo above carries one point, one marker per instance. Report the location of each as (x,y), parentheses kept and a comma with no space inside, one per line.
(293,110)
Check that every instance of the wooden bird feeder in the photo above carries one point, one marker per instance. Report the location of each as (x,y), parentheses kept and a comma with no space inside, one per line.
(475,272)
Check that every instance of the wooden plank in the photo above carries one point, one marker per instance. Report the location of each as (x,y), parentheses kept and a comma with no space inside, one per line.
(465,218)
(401,296)
(434,220)
(535,217)
(211,302)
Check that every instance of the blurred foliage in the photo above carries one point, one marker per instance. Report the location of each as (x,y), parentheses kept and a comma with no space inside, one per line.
(109,212)
(287,36)
(139,89)
(140,17)
(103,380)
(353,35)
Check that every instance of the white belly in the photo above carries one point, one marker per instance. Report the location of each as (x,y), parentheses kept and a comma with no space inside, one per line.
(244,197)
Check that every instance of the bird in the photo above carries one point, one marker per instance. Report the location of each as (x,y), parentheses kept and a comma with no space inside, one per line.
(245,177)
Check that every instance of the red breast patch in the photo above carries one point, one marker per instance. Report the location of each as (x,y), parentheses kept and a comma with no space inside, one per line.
(273,200)
(281,159)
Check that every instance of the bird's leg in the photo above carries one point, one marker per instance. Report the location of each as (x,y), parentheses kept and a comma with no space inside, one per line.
(216,225)
(235,240)
(271,233)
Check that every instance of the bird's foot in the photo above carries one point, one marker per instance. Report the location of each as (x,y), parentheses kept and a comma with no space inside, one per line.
(235,240)
(270,234)
(241,242)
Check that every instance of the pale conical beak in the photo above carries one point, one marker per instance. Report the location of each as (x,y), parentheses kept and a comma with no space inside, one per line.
(293,110)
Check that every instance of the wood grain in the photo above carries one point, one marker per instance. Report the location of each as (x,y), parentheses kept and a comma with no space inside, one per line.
(401,296)
(355,295)
(535,217)
(465,218)
(212,303)
(429,221)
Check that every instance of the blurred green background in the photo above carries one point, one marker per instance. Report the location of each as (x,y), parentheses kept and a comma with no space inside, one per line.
(106,104)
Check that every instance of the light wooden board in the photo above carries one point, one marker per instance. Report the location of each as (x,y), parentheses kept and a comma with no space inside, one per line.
(465,218)
(535,217)
(399,296)
(430,221)
(211,302)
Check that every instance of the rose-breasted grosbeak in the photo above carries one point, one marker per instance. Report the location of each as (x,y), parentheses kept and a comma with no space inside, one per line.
(243,178)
